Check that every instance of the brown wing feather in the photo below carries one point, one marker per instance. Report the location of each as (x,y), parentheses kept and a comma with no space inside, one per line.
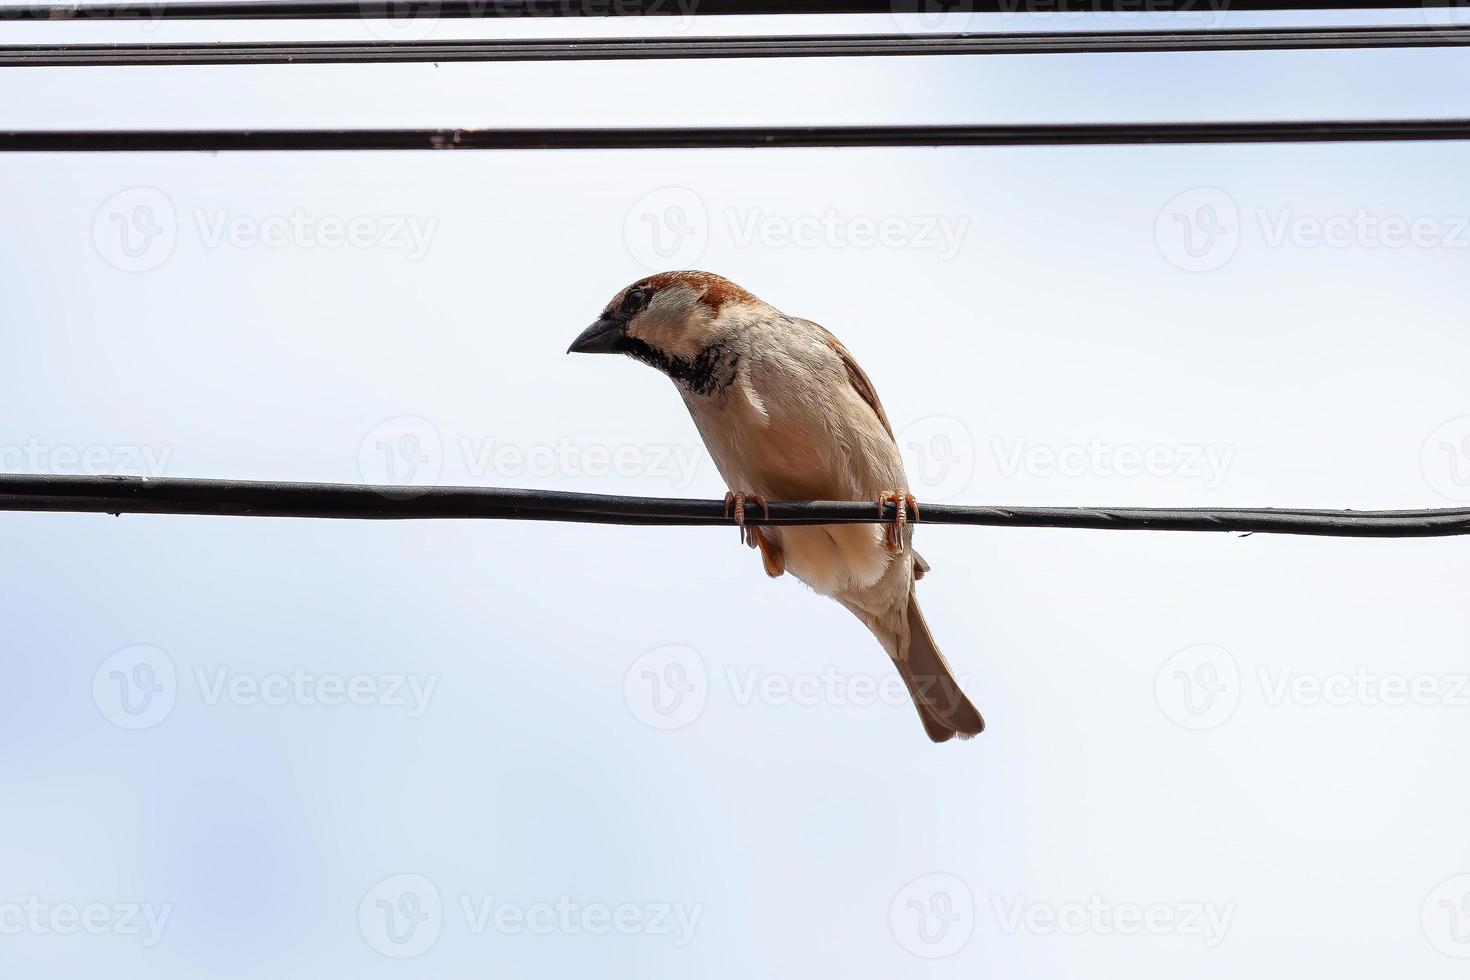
(855,374)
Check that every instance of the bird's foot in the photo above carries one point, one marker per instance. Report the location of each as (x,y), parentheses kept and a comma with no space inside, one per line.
(902,502)
(735,507)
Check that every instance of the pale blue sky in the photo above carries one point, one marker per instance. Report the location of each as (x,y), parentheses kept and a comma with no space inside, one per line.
(1064,328)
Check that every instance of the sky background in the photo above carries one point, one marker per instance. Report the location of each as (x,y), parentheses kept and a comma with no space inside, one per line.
(491,749)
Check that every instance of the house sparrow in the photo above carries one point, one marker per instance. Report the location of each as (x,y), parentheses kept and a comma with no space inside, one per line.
(787,414)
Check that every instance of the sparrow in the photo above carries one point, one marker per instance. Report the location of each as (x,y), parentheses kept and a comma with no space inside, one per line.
(787,414)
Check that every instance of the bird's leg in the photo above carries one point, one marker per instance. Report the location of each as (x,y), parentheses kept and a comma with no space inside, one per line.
(902,502)
(735,506)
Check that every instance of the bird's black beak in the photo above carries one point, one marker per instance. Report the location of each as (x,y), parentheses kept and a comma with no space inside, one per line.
(600,338)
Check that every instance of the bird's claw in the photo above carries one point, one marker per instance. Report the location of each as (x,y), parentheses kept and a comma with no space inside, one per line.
(902,502)
(735,507)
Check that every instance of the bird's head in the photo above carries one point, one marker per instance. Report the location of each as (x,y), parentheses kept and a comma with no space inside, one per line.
(672,320)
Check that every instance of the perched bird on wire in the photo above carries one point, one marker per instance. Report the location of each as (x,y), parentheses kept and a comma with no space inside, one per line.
(787,414)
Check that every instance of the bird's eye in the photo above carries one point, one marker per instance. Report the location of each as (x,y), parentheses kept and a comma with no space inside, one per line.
(633,302)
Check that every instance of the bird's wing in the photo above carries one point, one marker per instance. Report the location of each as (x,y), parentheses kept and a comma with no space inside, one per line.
(855,374)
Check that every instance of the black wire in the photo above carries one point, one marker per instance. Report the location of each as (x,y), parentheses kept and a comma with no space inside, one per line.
(696,137)
(235,498)
(793,46)
(356,9)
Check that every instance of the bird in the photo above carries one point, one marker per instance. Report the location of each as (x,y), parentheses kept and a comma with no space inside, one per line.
(786,413)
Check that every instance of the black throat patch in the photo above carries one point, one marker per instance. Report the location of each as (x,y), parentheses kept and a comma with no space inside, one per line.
(709,372)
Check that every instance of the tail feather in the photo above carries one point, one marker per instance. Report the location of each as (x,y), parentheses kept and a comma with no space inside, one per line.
(943,707)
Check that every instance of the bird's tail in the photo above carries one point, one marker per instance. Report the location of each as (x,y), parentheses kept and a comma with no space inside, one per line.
(943,707)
